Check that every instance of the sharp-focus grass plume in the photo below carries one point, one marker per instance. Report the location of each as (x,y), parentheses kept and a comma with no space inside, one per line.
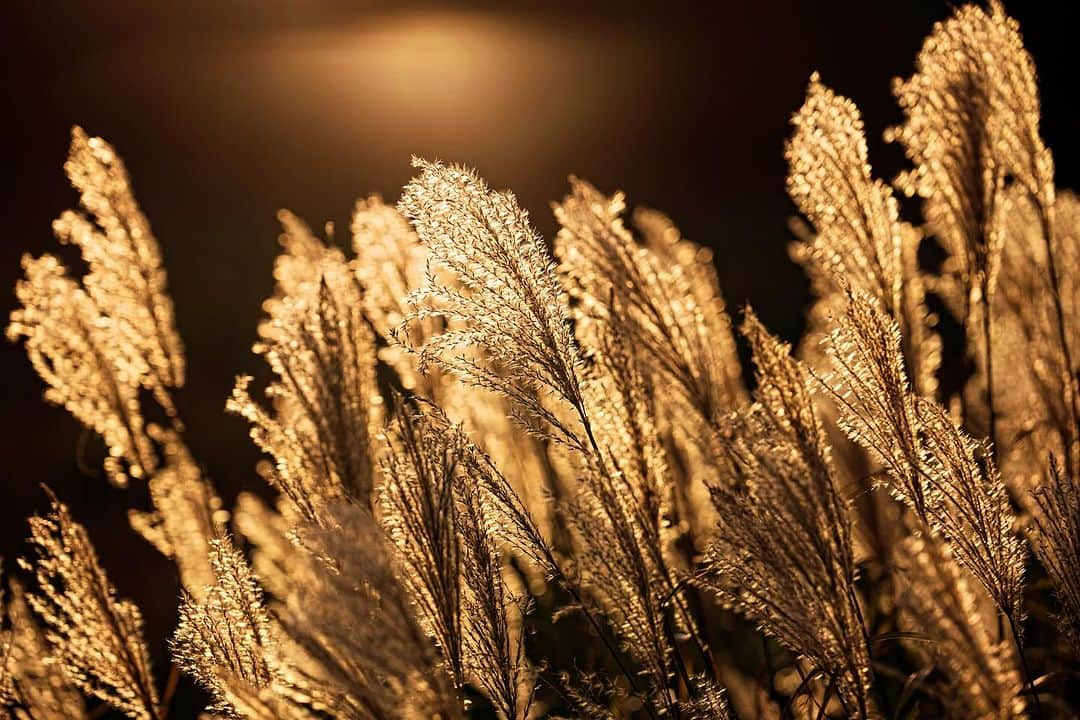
(1056,538)
(452,566)
(515,480)
(782,553)
(514,339)
(947,478)
(96,635)
(228,631)
(422,519)
(390,261)
(226,641)
(506,292)
(621,519)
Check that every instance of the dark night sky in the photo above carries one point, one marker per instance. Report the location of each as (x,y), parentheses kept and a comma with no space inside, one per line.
(225,112)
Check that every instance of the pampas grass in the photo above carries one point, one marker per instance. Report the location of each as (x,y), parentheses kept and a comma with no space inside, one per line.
(523,482)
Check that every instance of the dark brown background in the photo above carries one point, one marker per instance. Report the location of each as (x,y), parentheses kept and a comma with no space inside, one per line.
(226,112)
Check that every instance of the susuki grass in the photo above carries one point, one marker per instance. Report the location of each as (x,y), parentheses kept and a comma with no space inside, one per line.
(525,481)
